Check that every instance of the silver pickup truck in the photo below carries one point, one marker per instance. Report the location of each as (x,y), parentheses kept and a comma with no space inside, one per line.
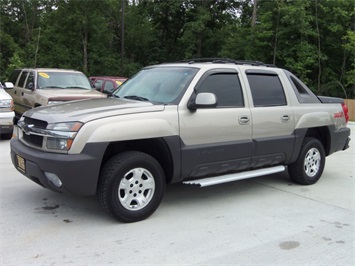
(200,123)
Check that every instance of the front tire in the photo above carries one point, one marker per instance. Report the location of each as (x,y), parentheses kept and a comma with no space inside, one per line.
(310,163)
(131,186)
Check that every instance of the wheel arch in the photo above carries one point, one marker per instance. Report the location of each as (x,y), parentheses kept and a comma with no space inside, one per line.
(162,149)
(323,135)
(320,133)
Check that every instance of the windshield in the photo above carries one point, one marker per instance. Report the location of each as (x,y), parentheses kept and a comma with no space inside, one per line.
(63,80)
(157,84)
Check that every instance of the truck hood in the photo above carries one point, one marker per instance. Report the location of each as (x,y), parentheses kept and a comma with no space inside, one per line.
(87,110)
(69,94)
(4,95)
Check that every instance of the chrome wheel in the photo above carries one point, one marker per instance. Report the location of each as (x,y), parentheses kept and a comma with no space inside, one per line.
(312,162)
(136,189)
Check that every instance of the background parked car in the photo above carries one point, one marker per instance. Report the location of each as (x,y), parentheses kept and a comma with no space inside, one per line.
(107,84)
(6,111)
(35,87)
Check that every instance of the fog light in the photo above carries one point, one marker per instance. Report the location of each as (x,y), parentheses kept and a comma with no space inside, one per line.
(54,179)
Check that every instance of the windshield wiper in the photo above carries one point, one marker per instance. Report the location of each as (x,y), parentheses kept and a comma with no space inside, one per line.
(135,97)
(76,87)
(52,87)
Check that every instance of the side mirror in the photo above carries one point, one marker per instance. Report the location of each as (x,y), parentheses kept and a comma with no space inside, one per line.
(202,100)
(8,85)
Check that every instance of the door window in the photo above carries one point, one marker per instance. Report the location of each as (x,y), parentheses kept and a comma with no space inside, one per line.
(266,90)
(109,87)
(30,80)
(226,87)
(21,82)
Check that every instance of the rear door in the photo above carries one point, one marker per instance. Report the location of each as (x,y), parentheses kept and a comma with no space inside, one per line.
(18,93)
(272,118)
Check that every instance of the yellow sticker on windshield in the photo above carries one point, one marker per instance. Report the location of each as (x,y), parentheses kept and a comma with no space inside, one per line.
(119,82)
(44,75)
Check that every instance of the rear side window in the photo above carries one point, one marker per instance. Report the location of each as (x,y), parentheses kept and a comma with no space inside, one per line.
(266,90)
(21,82)
(226,87)
(303,93)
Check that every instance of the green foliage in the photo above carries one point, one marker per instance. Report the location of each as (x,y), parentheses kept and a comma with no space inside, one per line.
(315,39)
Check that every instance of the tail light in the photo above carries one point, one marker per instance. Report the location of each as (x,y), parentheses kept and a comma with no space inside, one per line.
(346,111)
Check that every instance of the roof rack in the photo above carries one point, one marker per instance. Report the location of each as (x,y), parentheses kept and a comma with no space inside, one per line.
(226,61)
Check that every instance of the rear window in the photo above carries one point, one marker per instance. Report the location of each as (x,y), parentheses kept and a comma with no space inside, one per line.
(14,75)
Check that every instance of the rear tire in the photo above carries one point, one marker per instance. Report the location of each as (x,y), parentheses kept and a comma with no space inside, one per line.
(310,163)
(131,186)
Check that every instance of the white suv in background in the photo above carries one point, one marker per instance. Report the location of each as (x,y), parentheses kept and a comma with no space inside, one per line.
(6,111)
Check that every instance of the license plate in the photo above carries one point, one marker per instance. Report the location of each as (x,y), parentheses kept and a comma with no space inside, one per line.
(21,165)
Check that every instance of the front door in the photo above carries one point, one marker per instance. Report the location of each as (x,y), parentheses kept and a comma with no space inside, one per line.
(216,140)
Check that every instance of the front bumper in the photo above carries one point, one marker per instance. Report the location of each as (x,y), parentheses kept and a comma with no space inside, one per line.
(78,173)
(6,122)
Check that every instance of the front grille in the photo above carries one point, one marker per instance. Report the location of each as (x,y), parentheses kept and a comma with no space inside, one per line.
(37,123)
(34,140)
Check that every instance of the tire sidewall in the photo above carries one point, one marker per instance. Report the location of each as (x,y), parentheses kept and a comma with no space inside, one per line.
(310,144)
(139,160)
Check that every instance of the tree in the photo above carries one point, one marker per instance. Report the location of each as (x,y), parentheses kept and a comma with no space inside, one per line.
(314,38)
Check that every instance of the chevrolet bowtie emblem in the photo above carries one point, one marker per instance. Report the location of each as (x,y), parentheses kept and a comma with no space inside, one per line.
(27,128)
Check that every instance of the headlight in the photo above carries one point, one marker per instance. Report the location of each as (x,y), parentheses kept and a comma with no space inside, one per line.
(62,135)
(70,126)
(7,104)
(59,144)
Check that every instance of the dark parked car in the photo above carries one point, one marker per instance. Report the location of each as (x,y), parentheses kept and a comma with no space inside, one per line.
(107,84)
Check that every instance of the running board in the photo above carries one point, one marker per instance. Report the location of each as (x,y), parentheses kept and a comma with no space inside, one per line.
(210,181)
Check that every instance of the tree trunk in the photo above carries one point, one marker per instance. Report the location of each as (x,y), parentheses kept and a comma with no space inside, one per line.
(85,50)
(253,21)
(319,52)
(276,36)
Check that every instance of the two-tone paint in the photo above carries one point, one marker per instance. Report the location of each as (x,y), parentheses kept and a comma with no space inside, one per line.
(187,143)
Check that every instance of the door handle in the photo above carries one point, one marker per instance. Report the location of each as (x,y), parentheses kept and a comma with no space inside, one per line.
(244,120)
(285,118)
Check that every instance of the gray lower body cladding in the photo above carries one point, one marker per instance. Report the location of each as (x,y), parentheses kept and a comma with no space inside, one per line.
(78,173)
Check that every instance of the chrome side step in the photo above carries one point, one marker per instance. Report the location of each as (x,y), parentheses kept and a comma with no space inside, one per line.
(210,181)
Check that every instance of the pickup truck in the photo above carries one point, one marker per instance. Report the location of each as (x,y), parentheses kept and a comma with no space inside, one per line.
(201,122)
(34,87)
